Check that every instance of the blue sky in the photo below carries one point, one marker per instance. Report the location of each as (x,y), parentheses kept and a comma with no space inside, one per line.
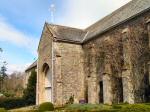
(21,23)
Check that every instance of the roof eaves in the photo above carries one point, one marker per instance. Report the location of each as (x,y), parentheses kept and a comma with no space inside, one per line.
(109,28)
(67,41)
(33,65)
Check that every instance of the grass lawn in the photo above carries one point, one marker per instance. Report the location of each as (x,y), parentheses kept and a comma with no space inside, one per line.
(94,108)
(107,108)
(24,109)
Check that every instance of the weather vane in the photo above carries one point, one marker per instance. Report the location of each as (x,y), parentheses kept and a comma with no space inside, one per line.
(52,10)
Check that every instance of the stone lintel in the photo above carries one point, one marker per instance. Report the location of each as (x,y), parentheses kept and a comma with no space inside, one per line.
(107,38)
(126,30)
(148,21)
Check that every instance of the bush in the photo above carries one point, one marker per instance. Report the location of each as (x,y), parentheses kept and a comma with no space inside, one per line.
(11,103)
(2,110)
(71,100)
(8,94)
(30,91)
(47,106)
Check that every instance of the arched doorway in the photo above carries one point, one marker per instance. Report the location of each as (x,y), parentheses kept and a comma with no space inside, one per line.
(47,83)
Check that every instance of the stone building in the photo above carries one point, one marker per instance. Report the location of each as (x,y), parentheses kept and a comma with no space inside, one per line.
(107,62)
(28,71)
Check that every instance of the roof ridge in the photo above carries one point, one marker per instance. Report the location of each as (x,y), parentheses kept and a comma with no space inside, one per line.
(51,24)
(112,13)
(67,34)
(119,16)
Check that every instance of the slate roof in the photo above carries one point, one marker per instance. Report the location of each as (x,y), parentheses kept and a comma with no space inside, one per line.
(33,65)
(64,33)
(119,16)
(126,12)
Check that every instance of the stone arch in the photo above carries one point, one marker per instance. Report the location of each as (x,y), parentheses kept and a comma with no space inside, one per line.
(45,67)
(47,82)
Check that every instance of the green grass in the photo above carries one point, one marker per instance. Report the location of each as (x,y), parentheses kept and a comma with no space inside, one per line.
(25,109)
(2,110)
(136,108)
(89,108)
(98,108)
(106,108)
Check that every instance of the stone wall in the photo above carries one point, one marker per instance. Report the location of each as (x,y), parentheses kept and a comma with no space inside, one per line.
(125,49)
(44,57)
(69,72)
(148,28)
(111,68)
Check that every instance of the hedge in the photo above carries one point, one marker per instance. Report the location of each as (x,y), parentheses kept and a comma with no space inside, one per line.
(11,103)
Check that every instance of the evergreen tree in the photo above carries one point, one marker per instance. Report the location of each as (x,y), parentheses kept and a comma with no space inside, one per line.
(1,50)
(30,91)
(2,75)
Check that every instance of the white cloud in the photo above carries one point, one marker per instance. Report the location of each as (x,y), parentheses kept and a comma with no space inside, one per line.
(82,13)
(16,67)
(8,33)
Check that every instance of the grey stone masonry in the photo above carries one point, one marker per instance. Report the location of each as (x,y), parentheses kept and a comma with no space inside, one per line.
(107,85)
(148,28)
(128,90)
(92,81)
(106,63)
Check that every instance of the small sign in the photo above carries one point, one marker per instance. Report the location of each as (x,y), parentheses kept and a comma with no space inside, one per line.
(82,101)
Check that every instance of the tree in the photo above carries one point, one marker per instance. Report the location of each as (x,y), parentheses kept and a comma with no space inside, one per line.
(3,75)
(1,50)
(30,91)
(13,86)
(3,69)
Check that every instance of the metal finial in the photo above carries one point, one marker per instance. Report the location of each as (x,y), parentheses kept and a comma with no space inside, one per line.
(52,10)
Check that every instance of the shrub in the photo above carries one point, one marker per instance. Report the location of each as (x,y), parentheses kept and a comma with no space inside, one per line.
(47,106)
(2,110)
(8,94)
(71,100)
(30,91)
(11,103)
